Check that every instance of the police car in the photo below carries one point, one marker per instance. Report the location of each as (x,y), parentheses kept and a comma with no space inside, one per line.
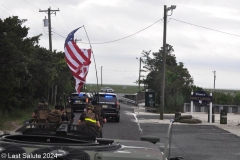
(78,101)
(109,104)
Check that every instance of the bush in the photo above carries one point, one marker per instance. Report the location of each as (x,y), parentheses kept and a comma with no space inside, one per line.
(182,117)
(187,119)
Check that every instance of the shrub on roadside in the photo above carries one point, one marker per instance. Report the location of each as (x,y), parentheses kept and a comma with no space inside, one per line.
(190,121)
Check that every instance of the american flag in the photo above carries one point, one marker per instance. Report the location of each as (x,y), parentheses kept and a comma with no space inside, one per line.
(78,60)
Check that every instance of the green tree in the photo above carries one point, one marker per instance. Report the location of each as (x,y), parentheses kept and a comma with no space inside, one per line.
(28,71)
(178,80)
(14,71)
(64,79)
(237,99)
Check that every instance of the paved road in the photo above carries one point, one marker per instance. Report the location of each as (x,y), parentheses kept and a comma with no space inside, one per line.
(120,130)
(193,142)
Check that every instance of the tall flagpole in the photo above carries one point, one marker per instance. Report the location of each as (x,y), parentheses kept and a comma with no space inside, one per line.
(94,62)
(93,57)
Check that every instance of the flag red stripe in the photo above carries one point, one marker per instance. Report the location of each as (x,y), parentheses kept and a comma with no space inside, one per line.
(77,60)
(81,54)
(70,63)
(72,54)
(77,76)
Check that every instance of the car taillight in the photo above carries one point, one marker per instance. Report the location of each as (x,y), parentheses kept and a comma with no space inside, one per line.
(86,100)
(117,104)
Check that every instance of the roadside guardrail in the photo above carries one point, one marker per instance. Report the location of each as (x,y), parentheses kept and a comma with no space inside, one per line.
(128,101)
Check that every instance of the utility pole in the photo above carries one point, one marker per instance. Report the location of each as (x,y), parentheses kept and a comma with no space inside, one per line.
(214,80)
(163,63)
(164,58)
(101,76)
(49,11)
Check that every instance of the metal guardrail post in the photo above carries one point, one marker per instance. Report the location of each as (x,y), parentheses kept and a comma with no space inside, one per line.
(168,140)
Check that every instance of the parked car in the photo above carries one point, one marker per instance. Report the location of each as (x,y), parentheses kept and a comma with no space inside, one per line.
(109,104)
(107,89)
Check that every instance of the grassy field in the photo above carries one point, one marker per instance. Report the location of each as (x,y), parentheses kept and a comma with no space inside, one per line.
(128,89)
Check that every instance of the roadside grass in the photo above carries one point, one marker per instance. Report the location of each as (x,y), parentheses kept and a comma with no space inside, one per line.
(14,119)
(126,89)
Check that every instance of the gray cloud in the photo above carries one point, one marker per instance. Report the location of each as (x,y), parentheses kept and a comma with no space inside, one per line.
(201,50)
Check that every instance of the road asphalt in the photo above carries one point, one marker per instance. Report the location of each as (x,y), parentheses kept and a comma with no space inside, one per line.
(233,120)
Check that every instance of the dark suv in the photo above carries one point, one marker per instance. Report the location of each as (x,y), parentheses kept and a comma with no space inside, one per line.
(109,104)
(78,101)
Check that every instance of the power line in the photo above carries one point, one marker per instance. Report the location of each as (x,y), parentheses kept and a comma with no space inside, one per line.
(200,74)
(16,14)
(206,28)
(60,14)
(60,23)
(5,12)
(113,70)
(53,4)
(152,25)
(31,4)
(126,36)
(64,20)
(44,3)
(7,9)
(58,34)
(119,38)
(119,71)
(35,7)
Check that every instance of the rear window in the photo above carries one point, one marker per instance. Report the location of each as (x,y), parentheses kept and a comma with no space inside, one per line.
(78,98)
(78,95)
(107,98)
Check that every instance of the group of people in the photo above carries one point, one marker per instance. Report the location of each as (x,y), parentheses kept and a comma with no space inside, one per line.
(42,114)
(93,115)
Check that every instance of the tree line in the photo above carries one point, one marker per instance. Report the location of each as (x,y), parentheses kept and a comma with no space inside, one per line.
(178,81)
(28,71)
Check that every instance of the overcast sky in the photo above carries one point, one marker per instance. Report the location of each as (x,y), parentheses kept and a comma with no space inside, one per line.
(205,34)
